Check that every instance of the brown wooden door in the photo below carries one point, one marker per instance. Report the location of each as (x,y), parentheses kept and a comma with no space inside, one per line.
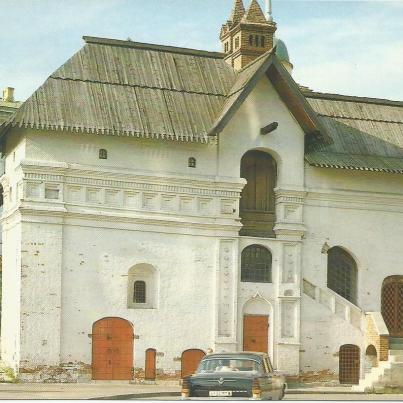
(150,367)
(392,305)
(257,205)
(256,333)
(190,361)
(112,349)
(349,364)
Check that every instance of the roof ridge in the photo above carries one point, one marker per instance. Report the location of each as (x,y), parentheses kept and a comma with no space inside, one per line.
(361,119)
(351,98)
(152,46)
(137,86)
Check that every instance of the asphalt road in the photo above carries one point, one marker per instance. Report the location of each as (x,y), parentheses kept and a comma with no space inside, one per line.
(321,396)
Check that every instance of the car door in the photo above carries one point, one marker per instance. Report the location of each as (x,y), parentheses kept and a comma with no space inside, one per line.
(266,381)
(276,381)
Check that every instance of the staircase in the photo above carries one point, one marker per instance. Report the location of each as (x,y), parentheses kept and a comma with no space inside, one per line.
(335,303)
(387,377)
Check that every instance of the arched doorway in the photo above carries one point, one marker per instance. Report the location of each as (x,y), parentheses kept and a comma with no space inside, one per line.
(150,364)
(257,205)
(190,361)
(342,273)
(392,305)
(257,327)
(371,358)
(349,364)
(112,349)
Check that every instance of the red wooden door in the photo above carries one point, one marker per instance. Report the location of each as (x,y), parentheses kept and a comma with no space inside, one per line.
(150,367)
(349,364)
(392,305)
(112,349)
(190,361)
(255,333)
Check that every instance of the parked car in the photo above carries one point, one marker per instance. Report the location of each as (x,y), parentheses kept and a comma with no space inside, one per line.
(235,375)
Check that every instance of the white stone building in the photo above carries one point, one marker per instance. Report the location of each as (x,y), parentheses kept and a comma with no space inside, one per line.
(159,200)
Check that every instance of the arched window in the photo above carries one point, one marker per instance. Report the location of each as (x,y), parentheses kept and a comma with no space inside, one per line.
(142,287)
(256,264)
(342,274)
(192,162)
(257,205)
(139,292)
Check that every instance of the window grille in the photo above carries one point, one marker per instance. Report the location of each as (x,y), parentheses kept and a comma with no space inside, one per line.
(349,364)
(139,292)
(192,162)
(256,264)
(103,154)
(342,274)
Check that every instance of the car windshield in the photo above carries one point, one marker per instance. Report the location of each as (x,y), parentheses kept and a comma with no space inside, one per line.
(228,365)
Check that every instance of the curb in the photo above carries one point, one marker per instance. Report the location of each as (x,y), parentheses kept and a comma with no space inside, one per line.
(137,396)
(325,392)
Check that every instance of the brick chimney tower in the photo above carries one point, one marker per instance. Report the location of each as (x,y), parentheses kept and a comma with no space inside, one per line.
(246,35)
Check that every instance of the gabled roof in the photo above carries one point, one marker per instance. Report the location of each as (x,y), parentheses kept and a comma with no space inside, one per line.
(269,65)
(125,88)
(132,89)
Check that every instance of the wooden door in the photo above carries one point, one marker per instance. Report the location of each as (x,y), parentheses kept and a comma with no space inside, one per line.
(349,364)
(190,361)
(150,367)
(112,349)
(257,205)
(256,333)
(392,305)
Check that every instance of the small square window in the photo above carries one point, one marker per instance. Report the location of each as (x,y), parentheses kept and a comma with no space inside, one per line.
(103,154)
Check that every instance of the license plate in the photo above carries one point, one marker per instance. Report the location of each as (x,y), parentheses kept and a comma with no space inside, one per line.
(220,393)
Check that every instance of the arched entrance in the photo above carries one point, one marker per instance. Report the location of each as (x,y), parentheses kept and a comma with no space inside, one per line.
(349,364)
(392,305)
(150,367)
(257,327)
(112,349)
(371,358)
(257,205)
(190,361)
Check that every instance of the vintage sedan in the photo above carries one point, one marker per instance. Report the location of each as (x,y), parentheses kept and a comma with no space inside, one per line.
(244,375)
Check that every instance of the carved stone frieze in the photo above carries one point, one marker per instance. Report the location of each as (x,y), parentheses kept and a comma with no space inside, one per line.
(226,288)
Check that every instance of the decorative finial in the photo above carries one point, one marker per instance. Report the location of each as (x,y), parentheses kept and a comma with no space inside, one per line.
(269,11)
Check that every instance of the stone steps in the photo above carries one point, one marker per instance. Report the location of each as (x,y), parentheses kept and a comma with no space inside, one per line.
(387,377)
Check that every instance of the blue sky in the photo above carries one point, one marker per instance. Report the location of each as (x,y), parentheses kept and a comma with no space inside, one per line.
(347,47)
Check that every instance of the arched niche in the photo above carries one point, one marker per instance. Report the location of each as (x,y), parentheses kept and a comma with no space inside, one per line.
(142,277)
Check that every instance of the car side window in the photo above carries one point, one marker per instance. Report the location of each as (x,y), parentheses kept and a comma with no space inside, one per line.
(267,366)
